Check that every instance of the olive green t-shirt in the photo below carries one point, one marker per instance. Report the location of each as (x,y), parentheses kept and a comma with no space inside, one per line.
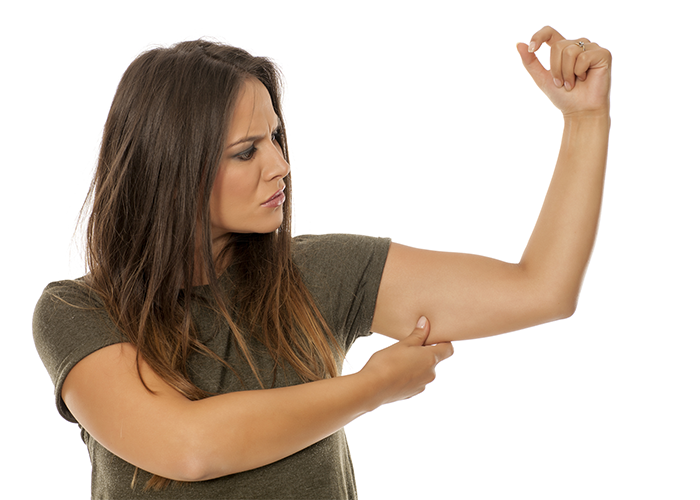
(342,273)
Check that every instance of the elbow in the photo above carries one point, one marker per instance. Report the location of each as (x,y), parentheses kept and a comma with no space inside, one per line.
(184,464)
(191,468)
(566,310)
(202,457)
(561,305)
(191,460)
(553,296)
(552,302)
(198,465)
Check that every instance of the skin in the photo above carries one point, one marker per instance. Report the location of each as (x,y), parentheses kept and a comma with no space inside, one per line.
(475,296)
(251,170)
(465,296)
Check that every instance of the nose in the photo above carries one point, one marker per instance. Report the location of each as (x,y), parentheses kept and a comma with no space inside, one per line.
(276,166)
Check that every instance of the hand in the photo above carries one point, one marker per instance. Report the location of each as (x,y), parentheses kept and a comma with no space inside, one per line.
(404,369)
(578,82)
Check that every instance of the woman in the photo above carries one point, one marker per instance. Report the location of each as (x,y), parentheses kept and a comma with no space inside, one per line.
(201,354)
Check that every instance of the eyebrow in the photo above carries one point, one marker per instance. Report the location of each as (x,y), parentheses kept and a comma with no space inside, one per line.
(255,137)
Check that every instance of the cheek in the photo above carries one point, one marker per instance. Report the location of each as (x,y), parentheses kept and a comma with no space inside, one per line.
(232,188)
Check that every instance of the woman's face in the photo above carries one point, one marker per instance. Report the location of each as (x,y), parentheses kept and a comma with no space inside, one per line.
(248,189)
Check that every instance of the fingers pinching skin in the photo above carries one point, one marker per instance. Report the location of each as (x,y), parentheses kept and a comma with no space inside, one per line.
(402,370)
(420,333)
(440,352)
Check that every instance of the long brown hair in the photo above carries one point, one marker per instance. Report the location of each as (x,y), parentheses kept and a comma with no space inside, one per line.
(148,232)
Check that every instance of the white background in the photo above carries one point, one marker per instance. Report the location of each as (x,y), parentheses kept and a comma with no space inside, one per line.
(413,120)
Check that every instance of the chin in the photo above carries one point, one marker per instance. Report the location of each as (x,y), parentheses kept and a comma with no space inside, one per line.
(265,228)
(266,225)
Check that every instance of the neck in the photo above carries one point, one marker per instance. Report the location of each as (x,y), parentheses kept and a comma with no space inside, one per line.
(221,261)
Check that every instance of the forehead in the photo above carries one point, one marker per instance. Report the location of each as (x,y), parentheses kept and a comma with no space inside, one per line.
(252,110)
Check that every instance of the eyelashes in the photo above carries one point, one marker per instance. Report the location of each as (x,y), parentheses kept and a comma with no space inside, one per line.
(249,153)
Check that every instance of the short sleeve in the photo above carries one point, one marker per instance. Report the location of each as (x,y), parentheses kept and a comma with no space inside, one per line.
(69,323)
(343,273)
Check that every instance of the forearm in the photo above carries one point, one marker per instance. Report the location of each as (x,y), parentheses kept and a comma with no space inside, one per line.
(161,431)
(244,430)
(562,240)
(469,296)
(148,423)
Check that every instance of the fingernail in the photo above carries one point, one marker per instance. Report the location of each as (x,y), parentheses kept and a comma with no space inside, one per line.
(557,82)
(421,322)
(531,48)
(567,85)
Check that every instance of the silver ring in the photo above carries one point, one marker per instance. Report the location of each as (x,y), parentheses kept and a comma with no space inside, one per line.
(582,45)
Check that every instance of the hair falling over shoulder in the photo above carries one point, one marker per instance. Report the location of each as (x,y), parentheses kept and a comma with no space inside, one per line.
(148,230)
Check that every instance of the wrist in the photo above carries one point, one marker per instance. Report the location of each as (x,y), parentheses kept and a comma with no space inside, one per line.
(597,116)
(368,389)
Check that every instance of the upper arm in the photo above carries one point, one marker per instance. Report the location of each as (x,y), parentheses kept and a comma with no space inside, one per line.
(105,394)
(464,296)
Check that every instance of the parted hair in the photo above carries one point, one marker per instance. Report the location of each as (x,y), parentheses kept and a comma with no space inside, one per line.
(148,229)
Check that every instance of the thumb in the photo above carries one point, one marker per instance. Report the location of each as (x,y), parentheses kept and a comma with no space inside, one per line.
(420,333)
(533,65)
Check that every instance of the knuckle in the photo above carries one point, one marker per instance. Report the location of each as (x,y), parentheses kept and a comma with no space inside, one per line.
(543,30)
(582,62)
(573,49)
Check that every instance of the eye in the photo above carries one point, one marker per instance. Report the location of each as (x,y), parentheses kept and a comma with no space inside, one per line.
(275,137)
(246,155)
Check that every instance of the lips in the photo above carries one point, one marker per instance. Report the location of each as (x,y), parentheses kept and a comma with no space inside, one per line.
(275,200)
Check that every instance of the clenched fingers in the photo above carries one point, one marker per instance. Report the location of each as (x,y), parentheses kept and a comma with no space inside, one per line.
(569,59)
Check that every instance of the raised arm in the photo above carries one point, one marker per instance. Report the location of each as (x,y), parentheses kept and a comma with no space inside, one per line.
(166,434)
(469,296)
